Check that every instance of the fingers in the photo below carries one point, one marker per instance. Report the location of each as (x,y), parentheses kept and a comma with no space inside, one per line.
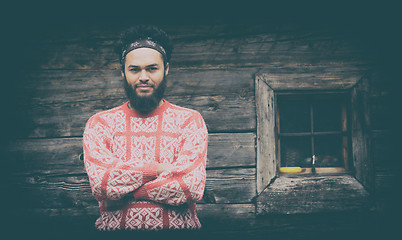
(105,151)
(163,167)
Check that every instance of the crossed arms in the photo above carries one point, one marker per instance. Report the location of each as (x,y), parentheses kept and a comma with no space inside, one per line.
(174,184)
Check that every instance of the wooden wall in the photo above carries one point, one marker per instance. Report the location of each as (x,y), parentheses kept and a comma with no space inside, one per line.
(71,74)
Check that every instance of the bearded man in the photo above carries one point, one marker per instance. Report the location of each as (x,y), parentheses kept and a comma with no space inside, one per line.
(146,159)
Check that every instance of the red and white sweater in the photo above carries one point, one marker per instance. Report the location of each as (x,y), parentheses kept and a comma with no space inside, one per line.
(130,193)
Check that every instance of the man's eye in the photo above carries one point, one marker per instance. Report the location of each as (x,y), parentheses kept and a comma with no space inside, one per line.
(152,69)
(134,70)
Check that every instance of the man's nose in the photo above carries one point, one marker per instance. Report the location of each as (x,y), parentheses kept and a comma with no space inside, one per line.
(144,76)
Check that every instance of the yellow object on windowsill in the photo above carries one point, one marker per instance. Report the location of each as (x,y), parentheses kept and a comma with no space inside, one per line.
(290,169)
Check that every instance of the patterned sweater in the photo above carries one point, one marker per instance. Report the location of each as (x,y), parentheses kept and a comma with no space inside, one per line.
(122,150)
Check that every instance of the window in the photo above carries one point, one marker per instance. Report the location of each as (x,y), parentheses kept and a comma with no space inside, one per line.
(312,132)
(298,119)
(332,126)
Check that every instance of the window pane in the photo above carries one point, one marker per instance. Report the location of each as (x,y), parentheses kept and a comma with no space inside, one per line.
(296,151)
(294,115)
(327,116)
(328,151)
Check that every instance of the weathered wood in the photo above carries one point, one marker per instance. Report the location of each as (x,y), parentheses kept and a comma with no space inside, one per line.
(58,86)
(224,212)
(320,194)
(73,191)
(382,154)
(255,50)
(361,141)
(266,136)
(51,157)
(315,77)
(213,217)
(386,164)
(178,32)
(219,221)
(231,185)
(60,156)
(223,217)
(221,113)
(231,150)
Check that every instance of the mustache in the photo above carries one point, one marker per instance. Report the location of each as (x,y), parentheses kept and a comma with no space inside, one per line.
(144,85)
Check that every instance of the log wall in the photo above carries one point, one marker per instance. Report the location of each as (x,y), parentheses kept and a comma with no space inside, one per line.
(74,74)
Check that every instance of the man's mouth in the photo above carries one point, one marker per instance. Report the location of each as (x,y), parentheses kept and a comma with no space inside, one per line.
(144,87)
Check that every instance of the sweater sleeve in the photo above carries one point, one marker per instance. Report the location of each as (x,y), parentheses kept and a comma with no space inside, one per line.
(185,182)
(110,178)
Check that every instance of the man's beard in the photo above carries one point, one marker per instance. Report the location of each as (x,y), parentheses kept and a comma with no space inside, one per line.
(145,104)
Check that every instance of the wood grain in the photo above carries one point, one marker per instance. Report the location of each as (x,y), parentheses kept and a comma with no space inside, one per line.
(57,86)
(221,113)
(360,134)
(313,194)
(73,191)
(315,77)
(60,156)
(240,51)
(266,135)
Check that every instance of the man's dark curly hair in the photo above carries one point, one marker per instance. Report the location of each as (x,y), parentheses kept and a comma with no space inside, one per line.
(141,32)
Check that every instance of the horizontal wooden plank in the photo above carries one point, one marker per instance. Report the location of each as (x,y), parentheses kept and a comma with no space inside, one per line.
(231,150)
(52,157)
(213,217)
(58,86)
(73,191)
(219,221)
(205,211)
(332,76)
(178,32)
(221,113)
(313,194)
(230,185)
(60,156)
(383,150)
(386,181)
(251,50)
(225,212)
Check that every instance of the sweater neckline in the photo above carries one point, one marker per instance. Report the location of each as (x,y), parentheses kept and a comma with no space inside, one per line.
(155,112)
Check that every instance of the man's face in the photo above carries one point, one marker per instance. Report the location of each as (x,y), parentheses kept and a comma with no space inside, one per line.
(144,78)
(144,70)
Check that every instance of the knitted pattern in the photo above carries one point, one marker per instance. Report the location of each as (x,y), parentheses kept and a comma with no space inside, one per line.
(122,150)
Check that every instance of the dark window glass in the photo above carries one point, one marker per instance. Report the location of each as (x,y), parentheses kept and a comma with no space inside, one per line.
(328,151)
(292,109)
(311,125)
(296,151)
(327,116)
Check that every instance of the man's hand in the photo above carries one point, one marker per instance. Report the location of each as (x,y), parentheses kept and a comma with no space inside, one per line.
(162,167)
(105,151)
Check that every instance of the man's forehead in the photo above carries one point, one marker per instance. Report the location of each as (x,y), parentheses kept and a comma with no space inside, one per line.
(144,55)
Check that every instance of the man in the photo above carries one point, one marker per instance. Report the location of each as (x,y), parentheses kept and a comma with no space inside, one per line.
(146,158)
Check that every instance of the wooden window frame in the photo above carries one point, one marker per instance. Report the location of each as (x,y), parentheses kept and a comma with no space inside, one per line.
(266,137)
(276,194)
(266,151)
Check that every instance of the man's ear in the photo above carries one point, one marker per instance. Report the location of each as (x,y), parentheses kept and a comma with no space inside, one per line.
(122,73)
(166,69)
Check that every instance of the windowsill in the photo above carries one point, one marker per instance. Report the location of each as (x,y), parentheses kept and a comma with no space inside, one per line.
(318,171)
(313,194)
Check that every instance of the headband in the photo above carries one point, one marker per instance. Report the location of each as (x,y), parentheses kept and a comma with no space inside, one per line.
(143,43)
